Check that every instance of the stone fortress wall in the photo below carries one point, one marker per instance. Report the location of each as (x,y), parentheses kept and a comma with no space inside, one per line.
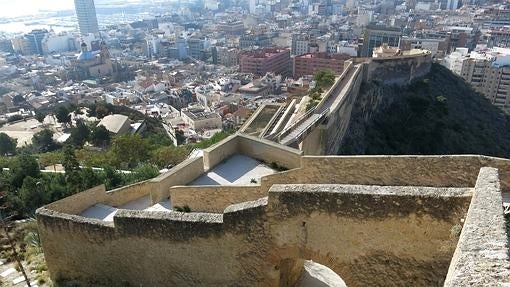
(367,218)
(374,220)
(398,70)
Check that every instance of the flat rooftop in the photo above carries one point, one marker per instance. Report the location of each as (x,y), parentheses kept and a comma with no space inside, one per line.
(236,170)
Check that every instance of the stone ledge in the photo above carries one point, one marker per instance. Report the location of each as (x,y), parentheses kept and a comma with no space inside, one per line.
(246,205)
(369,202)
(415,191)
(45,213)
(481,257)
(170,216)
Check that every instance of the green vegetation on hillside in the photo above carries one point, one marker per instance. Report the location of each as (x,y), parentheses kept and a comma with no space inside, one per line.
(323,80)
(439,114)
(29,249)
(142,155)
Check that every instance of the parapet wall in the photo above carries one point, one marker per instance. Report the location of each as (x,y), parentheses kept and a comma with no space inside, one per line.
(439,171)
(270,152)
(436,171)
(369,235)
(214,198)
(449,171)
(249,243)
(399,70)
(158,188)
(366,217)
(143,248)
(181,174)
(220,152)
(260,149)
(481,257)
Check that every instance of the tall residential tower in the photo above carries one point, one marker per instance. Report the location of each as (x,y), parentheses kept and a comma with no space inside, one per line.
(86,14)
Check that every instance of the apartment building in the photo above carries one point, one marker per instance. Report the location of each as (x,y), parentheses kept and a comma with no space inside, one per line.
(263,61)
(310,63)
(489,74)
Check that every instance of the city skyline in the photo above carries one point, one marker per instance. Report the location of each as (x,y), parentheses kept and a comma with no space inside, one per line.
(343,142)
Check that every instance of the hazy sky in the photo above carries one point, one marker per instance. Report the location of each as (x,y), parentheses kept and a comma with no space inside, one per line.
(14,8)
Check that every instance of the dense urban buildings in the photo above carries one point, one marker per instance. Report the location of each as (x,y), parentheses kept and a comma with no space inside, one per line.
(267,60)
(232,103)
(438,47)
(375,36)
(86,15)
(488,72)
(311,63)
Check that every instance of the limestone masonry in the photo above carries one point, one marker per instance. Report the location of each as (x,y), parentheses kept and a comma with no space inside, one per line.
(374,220)
(266,208)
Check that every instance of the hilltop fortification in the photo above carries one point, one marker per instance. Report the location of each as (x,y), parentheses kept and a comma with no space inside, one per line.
(366,218)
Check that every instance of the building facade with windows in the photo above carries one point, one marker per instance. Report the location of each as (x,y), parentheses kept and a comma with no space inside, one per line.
(263,61)
(489,74)
(374,36)
(86,14)
(310,63)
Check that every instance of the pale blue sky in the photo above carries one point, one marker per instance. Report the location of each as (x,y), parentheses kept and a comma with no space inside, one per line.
(14,8)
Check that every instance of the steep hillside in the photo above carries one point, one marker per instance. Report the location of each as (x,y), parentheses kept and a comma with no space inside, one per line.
(439,114)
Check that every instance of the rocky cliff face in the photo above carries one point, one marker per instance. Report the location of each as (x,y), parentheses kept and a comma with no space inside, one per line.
(436,114)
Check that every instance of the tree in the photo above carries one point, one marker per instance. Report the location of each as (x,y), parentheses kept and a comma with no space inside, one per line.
(40,117)
(24,165)
(113,178)
(72,168)
(14,118)
(63,115)
(129,150)
(7,144)
(80,134)
(143,172)
(179,135)
(77,110)
(102,110)
(100,136)
(43,141)
(4,224)
(168,156)
(17,99)
(32,194)
(70,162)
(90,178)
(324,79)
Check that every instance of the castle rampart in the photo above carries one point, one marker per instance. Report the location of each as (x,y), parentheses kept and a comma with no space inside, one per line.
(397,70)
(366,217)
